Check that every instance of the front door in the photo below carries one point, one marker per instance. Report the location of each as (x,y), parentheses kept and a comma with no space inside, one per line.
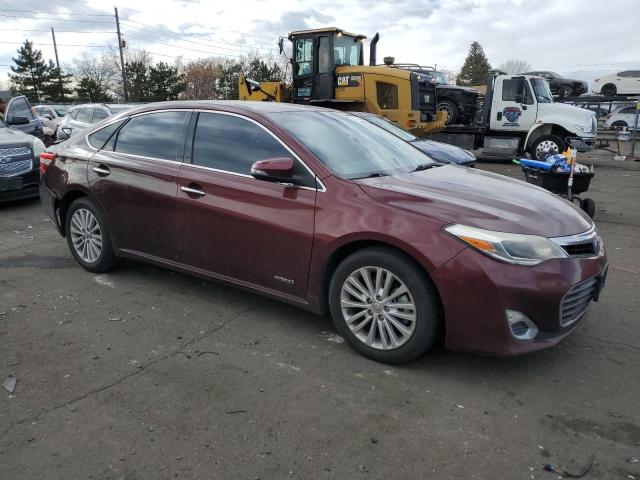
(19,115)
(134,176)
(234,226)
(324,77)
(514,107)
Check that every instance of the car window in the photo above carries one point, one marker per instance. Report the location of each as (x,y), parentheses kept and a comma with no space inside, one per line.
(157,135)
(232,144)
(74,113)
(99,114)
(629,110)
(98,138)
(20,108)
(38,110)
(84,115)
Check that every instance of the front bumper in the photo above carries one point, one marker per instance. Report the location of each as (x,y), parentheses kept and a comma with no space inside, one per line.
(582,144)
(476,291)
(19,186)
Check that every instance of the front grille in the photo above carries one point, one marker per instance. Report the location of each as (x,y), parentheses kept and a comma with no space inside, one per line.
(580,249)
(576,301)
(15,168)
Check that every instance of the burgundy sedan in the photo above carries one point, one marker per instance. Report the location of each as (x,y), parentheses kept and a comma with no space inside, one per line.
(326,211)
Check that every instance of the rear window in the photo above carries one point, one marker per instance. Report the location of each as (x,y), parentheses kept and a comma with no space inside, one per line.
(98,115)
(98,138)
(156,135)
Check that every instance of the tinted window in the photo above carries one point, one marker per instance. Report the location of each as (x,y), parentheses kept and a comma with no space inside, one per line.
(387,95)
(510,89)
(323,55)
(99,114)
(99,138)
(629,110)
(20,108)
(74,113)
(346,50)
(84,115)
(304,55)
(232,144)
(157,135)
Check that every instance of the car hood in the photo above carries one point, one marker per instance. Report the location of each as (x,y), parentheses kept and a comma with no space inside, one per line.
(457,87)
(12,136)
(480,199)
(566,115)
(444,153)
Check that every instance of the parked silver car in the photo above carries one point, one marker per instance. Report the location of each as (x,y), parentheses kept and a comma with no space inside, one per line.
(51,115)
(622,116)
(83,116)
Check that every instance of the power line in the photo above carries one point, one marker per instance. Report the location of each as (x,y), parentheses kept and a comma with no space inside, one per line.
(57,31)
(55,19)
(59,13)
(61,44)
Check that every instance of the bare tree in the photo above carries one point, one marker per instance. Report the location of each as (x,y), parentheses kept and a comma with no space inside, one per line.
(451,74)
(99,69)
(513,66)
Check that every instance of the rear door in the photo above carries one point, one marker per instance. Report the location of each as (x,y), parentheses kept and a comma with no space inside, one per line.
(134,177)
(19,109)
(235,226)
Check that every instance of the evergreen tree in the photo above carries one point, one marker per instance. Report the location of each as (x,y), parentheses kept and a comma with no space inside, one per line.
(260,71)
(56,87)
(89,90)
(137,81)
(31,72)
(165,83)
(475,68)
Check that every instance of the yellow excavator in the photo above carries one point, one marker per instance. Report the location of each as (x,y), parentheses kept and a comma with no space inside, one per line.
(329,71)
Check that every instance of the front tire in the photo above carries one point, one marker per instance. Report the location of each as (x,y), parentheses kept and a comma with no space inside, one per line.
(88,237)
(450,109)
(384,305)
(551,143)
(565,91)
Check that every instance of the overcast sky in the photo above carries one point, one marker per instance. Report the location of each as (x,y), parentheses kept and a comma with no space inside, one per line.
(582,39)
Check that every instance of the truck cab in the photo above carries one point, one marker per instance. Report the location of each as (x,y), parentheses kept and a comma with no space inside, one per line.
(329,71)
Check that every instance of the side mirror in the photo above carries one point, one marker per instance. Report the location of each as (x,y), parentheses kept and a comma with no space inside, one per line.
(273,169)
(66,131)
(17,120)
(48,116)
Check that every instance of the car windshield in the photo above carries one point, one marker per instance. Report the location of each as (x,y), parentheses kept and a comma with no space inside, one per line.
(389,127)
(440,78)
(541,90)
(350,146)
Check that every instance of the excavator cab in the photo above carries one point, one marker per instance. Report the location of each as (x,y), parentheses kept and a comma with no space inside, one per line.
(316,55)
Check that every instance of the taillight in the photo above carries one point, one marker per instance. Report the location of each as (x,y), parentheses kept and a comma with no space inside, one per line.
(46,159)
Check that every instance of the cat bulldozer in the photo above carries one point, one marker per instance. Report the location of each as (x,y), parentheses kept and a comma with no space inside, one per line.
(329,71)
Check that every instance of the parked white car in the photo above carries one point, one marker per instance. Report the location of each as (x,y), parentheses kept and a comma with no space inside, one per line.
(51,115)
(622,116)
(621,83)
(80,117)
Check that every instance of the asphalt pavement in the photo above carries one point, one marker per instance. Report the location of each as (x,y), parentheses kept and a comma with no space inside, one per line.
(144,373)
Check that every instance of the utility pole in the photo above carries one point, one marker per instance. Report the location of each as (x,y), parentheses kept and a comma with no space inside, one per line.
(120,45)
(55,49)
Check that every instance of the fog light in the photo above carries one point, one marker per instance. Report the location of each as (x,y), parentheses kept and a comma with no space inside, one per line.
(521,327)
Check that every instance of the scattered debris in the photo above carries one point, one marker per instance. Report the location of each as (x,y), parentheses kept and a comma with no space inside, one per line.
(459,406)
(632,460)
(291,367)
(104,280)
(199,354)
(332,337)
(9,383)
(231,412)
(564,473)
(362,468)
(151,429)
(625,269)
(374,440)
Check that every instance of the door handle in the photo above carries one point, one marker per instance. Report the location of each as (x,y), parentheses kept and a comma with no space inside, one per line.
(102,170)
(499,116)
(193,191)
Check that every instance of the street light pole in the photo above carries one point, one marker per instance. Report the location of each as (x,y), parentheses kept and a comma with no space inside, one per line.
(120,44)
(55,49)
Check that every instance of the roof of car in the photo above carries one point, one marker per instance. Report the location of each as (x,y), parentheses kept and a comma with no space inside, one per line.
(258,107)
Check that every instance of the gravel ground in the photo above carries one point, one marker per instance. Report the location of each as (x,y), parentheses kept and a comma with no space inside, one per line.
(144,373)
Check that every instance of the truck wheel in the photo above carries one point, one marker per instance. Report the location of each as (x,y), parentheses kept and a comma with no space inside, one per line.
(450,110)
(609,90)
(384,305)
(565,91)
(546,143)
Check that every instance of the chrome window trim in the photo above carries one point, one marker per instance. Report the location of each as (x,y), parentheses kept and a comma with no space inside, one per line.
(322,188)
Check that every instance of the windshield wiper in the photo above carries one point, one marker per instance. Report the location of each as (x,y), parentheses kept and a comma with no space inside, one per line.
(370,175)
(426,166)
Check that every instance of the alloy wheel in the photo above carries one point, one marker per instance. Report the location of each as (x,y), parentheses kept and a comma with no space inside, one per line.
(86,235)
(546,146)
(378,308)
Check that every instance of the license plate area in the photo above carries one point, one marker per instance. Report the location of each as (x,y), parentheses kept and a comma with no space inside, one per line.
(9,184)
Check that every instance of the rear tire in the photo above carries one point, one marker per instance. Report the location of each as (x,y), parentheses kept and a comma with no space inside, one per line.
(450,109)
(609,90)
(565,91)
(619,124)
(552,142)
(589,206)
(387,323)
(88,237)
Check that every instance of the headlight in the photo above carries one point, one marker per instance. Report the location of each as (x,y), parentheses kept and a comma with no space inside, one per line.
(584,128)
(508,247)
